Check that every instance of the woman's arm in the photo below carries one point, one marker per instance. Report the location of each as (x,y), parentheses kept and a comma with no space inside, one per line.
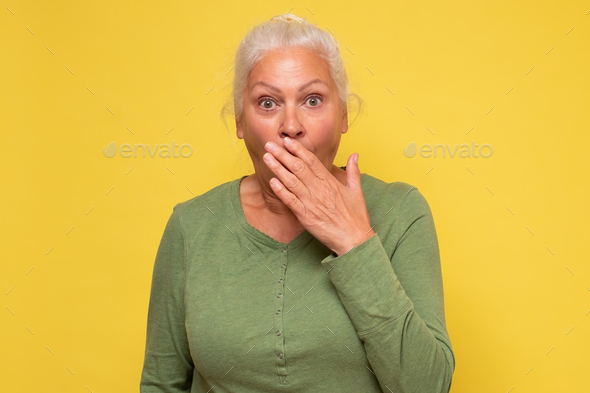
(402,327)
(168,366)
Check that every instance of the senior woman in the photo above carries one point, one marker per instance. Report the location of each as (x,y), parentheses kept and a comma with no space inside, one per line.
(304,276)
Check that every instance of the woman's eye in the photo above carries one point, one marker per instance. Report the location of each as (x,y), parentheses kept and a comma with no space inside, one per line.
(314,100)
(264,103)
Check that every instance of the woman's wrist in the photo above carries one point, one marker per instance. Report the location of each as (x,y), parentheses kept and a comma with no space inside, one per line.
(345,248)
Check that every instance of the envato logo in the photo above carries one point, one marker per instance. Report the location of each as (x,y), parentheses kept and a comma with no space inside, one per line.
(164,150)
(464,152)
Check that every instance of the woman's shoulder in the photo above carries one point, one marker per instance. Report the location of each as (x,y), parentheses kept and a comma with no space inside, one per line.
(374,184)
(208,205)
(399,196)
(387,189)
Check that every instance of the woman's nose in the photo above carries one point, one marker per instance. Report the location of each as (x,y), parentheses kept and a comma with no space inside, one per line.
(293,134)
(291,126)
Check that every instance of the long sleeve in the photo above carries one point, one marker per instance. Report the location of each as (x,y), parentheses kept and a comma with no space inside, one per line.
(168,366)
(402,326)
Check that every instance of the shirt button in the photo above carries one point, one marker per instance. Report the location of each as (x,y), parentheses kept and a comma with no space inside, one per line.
(283,265)
(278,332)
(283,250)
(279,294)
(280,280)
(280,355)
(278,312)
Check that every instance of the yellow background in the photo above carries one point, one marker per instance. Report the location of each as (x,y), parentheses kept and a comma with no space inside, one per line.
(513,228)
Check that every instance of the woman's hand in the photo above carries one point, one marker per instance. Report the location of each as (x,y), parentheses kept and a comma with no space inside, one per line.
(334,214)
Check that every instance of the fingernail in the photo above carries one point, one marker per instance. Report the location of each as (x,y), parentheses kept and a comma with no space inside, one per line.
(288,140)
(356,158)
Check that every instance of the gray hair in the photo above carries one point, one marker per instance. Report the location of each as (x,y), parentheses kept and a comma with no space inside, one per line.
(285,32)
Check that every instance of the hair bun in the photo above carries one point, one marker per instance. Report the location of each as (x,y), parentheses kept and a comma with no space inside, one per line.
(288,18)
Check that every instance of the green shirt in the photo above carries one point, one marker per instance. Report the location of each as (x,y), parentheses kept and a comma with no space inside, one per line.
(233,310)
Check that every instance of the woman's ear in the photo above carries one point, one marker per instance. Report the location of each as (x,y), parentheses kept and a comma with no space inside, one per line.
(345,122)
(239,130)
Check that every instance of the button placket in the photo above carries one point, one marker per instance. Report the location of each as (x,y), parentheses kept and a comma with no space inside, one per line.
(280,307)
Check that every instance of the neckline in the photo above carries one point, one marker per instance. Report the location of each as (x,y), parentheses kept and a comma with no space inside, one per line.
(254,233)
(303,238)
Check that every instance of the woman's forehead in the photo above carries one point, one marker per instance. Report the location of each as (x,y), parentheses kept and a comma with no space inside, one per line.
(316,81)
(303,68)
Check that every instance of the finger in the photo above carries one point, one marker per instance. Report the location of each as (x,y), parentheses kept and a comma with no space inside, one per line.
(312,163)
(353,174)
(287,178)
(288,198)
(297,177)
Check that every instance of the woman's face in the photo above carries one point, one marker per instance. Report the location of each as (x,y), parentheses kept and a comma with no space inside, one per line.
(280,101)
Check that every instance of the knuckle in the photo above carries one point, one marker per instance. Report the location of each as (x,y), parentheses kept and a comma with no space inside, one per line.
(292,183)
(291,201)
(311,160)
(298,166)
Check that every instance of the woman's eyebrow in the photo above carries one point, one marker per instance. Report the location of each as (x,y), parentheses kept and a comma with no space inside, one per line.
(279,91)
